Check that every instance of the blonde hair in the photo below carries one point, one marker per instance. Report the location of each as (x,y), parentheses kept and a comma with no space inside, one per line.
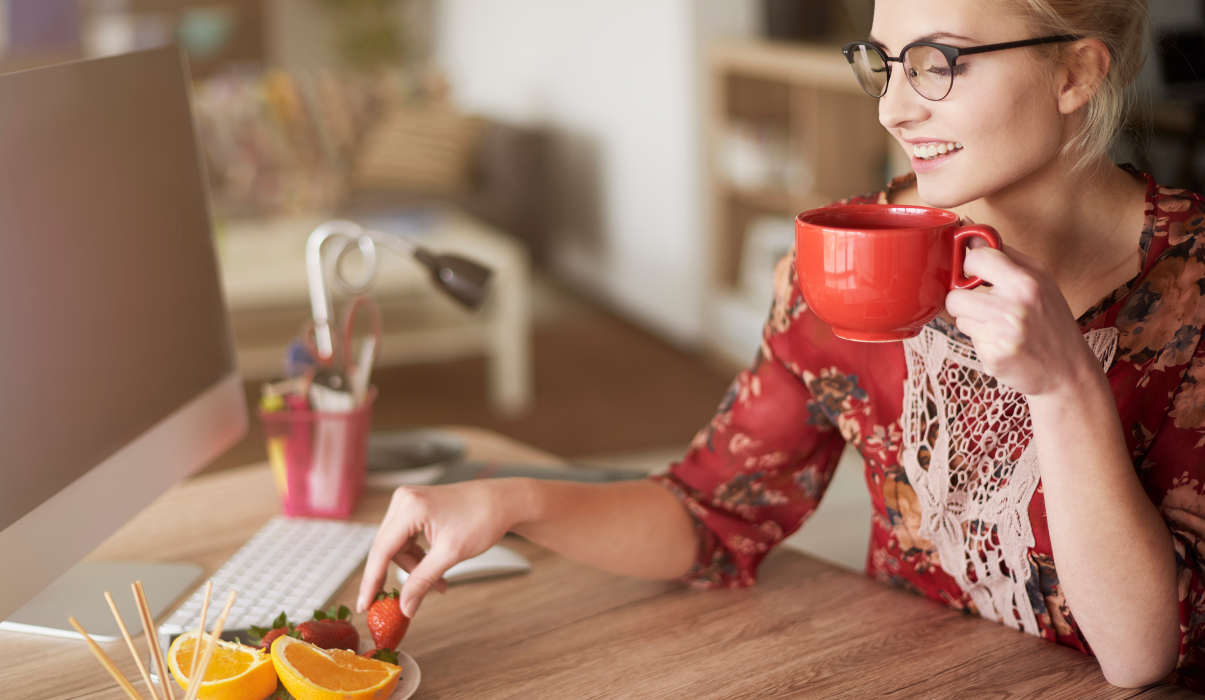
(1122,26)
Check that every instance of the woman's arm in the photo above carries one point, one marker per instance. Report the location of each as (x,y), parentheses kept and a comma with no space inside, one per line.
(636,528)
(1113,552)
(629,528)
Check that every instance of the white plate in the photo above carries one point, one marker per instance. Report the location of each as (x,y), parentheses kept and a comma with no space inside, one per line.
(410,677)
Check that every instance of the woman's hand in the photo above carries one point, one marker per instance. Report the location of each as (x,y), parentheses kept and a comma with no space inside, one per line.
(1021,327)
(459,521)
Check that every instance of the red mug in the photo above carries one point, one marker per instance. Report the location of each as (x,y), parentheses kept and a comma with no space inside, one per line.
(880,272)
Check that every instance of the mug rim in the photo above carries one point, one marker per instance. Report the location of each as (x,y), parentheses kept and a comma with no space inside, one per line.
(804,218)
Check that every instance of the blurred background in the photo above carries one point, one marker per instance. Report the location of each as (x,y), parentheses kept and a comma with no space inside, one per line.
(630,168)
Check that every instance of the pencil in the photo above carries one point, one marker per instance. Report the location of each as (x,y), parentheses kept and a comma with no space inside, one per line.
(192,668)
(152,639)
(125,633)
(105,661)
(194,685)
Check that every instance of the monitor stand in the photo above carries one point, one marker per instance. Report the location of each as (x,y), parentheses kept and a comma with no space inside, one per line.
(80,593)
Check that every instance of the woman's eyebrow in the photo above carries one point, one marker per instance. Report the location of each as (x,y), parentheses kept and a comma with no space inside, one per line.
(927,37)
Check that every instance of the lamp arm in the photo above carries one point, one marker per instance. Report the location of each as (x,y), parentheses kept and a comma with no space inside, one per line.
(462,279)
(316,276)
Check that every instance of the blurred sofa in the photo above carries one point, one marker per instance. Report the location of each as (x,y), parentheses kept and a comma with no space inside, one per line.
(280,143)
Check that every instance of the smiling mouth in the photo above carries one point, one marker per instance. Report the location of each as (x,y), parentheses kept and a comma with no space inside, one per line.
(929,151)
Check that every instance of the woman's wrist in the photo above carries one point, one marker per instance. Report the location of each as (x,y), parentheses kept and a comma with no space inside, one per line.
(1086,381)
(1085,396)
(517,500)
(1078,426)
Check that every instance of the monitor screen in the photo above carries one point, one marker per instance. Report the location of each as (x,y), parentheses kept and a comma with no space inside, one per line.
(114,325)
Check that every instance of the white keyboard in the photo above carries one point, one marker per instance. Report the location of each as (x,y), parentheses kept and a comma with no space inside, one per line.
(293,565)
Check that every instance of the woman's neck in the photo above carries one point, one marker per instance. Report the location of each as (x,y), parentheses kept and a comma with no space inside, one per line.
(1083,228)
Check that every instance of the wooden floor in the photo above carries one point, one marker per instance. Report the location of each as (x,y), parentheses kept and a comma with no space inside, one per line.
(602,385)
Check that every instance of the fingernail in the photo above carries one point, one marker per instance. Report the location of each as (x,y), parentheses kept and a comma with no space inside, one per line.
(360,606)
(409,608)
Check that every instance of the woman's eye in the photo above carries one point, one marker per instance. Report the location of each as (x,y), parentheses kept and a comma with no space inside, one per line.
(944,71)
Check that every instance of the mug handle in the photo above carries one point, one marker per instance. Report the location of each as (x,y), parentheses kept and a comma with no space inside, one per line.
(962,240)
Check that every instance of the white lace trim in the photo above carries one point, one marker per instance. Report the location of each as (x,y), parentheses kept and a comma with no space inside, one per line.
(966,451)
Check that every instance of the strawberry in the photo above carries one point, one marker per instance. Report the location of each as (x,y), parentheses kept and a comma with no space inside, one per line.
(266,635)
(385,620)
(330,630)
(271,636)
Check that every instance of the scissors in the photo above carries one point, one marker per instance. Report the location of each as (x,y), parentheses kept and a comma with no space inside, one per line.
(347,365)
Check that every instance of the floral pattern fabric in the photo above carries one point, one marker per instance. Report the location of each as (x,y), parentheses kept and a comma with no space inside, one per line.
(759,468)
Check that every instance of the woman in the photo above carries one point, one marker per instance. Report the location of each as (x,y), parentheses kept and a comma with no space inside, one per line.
(1055,415)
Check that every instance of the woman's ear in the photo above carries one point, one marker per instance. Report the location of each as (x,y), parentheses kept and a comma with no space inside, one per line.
(1085,64)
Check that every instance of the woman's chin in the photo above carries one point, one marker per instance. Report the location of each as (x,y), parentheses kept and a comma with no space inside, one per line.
(940,197)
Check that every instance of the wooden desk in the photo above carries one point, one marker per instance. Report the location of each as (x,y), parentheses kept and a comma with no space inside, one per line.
(567,631)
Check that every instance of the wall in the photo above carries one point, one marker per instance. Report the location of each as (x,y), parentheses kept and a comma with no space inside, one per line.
(618,82)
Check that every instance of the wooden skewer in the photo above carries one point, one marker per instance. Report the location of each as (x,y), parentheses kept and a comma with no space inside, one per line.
(192,668)
(194,684)
(152,639)
(125,633)
(105,661)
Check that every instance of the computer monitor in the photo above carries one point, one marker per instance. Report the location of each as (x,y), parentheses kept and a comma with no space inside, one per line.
(117,374)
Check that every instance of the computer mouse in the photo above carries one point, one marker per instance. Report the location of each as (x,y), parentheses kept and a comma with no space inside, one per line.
(493,562)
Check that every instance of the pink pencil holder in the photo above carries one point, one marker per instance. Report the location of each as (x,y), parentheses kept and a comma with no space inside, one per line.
(317,458)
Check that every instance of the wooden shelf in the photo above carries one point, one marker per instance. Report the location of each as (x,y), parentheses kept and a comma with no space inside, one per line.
(831,132)
(814,66)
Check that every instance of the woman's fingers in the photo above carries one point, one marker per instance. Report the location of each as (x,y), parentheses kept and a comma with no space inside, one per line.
(375,569)
(972,303)
(400,524)
(427,574)
(409,558)
(995,267)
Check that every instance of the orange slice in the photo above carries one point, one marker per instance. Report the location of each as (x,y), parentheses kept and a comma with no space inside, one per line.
(236,671)
(312,673)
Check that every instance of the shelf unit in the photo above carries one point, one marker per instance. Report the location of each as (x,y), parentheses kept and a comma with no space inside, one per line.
(819,132)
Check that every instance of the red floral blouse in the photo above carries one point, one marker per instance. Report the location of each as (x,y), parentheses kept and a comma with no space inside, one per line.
(760,467)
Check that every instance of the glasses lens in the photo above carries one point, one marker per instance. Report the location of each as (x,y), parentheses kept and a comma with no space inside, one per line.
(928,71)
(870,68)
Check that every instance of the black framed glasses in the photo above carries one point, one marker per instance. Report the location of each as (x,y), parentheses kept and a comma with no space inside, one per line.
(930,66)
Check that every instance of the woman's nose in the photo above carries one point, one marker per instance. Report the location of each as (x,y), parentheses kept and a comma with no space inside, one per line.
(901,106)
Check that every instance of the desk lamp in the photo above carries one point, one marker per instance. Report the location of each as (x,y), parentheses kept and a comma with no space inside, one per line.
(462,279)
